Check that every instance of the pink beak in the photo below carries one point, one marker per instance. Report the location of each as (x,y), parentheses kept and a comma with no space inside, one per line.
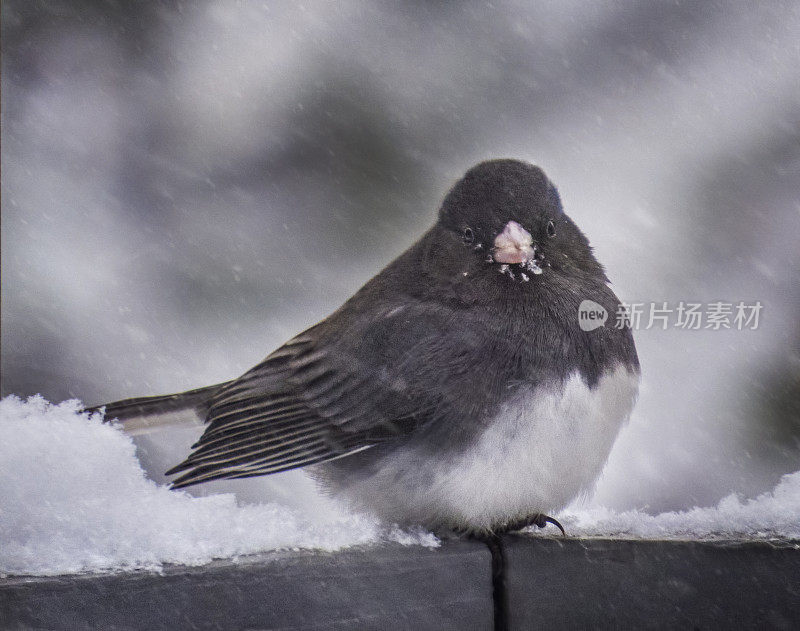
(513,245)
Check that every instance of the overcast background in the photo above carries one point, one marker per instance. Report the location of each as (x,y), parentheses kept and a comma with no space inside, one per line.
(186,185)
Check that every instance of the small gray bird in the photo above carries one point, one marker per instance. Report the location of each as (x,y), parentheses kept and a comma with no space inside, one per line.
(455,390)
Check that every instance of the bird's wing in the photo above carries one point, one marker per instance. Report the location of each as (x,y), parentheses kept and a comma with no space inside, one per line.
(317,398)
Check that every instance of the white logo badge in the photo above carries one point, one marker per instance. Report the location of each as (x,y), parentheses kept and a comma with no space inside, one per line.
(591,315)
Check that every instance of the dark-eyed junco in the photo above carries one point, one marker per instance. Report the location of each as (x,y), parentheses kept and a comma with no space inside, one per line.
(455,390)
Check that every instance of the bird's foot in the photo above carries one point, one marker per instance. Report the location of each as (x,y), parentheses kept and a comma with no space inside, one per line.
(540,520)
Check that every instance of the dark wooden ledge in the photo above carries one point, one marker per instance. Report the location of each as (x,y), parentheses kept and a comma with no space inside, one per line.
(550,583)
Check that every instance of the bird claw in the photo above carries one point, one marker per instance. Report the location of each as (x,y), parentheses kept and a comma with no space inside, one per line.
(540,520)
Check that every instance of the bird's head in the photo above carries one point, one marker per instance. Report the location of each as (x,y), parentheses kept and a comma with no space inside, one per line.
(504,217)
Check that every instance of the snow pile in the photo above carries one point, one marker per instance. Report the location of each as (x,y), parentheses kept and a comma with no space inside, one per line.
(74,498)
(772,515)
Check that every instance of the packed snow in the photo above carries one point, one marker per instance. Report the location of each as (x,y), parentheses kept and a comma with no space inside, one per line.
(74,498)
(771,515)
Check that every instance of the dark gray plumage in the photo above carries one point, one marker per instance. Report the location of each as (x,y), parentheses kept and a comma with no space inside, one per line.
(447,388)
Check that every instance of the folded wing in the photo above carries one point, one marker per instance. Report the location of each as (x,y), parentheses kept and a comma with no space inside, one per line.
(308,402)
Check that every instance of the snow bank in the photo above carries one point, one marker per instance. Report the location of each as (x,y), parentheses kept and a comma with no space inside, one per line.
(772,515)
(74,498)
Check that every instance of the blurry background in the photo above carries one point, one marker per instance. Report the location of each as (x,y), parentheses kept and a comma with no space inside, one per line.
(186,185)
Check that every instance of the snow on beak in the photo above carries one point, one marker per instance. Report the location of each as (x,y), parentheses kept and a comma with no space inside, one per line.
(513,245)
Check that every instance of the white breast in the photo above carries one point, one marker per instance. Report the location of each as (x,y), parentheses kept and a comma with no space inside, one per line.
(538,453)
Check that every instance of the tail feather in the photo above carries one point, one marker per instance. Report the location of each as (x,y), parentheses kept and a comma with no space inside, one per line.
(143,415)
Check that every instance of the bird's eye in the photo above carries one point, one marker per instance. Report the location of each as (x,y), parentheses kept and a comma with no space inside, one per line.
(469,236)
(551,229)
